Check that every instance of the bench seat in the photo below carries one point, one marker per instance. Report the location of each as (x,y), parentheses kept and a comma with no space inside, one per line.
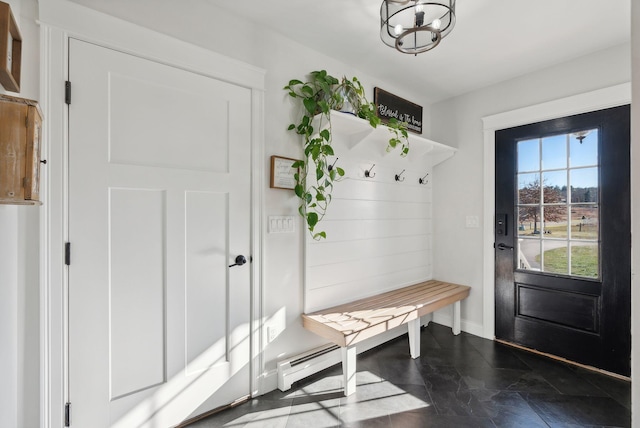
(347,324)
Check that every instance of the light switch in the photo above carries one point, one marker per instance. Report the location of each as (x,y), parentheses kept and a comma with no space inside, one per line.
(281,224)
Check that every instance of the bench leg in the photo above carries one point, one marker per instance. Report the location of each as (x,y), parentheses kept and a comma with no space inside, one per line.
(456,318)
(426,319)
(414,337)
(349,369)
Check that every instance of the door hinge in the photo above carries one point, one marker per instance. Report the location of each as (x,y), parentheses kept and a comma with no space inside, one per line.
(67,415)
(67,253)
(67,92)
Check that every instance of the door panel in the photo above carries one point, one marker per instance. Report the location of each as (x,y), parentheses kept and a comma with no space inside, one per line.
(136,226)
(159,207)
(563,238)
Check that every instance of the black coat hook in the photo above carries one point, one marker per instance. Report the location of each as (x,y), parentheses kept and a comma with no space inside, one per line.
(400,175)
(330,167)
(368,174)
(423,180)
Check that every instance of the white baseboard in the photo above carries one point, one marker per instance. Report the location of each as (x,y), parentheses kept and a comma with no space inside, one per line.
(268,383)
(466,326)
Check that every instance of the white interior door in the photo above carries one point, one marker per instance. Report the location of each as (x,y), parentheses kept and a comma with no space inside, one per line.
(159,207)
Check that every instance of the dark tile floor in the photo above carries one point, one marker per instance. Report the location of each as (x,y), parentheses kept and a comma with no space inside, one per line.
(459,381)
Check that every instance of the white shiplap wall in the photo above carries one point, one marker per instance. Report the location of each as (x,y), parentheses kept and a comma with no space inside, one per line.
(379,230)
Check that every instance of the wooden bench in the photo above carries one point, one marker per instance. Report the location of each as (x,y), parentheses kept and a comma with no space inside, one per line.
(346,325)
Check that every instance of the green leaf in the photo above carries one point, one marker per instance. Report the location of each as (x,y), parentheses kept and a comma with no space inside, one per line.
(319,173)
(326,135)
(319,235)
(307,150)
(324,106)
(312,219)
(294,82)
(320,197)
(307,91)
(327,150)
(308,198)
(299,191)
(292,126)
(309,130)
(340,171)
(298,164)
(324,87)
(310,104)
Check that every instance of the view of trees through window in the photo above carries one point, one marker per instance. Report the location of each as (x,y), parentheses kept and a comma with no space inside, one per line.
(557,208)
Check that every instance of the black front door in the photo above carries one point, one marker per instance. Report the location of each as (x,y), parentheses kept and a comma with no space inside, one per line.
(563,238)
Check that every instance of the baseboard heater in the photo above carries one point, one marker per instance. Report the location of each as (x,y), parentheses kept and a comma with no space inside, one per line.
(300,366)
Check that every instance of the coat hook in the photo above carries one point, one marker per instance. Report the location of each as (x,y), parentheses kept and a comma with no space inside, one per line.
(423,180)
(44,161)
(368,174)
(330,167)
(400,175)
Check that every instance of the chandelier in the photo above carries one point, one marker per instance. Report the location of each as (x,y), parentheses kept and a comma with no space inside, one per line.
(416,26)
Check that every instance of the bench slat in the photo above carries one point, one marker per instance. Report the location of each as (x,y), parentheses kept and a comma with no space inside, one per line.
(417,296)
(374,301)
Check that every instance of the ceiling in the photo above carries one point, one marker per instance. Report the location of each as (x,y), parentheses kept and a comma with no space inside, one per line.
(493,41)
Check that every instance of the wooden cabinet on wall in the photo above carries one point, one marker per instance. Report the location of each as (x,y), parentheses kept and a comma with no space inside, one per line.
(20,136)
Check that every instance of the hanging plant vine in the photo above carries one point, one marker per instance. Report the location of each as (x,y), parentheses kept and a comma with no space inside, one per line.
(321,94)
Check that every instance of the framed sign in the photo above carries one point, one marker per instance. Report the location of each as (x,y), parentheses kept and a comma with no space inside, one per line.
(10,49)
(391,106)
(282,173)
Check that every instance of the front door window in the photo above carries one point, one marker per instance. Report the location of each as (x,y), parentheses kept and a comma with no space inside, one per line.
(557,205)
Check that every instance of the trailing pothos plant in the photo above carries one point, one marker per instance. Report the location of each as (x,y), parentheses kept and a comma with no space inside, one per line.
(321,94)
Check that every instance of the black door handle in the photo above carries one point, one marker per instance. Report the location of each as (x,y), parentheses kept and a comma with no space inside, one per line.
(240,260)
(503,247)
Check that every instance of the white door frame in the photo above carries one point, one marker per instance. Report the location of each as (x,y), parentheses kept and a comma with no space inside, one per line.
(61,20)
(591,101)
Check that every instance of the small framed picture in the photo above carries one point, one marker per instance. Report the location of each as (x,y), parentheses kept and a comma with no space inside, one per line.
(10,49)
(282,173)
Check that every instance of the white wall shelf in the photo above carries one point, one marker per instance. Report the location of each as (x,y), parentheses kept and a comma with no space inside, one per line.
(356,131)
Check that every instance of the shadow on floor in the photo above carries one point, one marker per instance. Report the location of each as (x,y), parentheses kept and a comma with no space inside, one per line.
(459,381)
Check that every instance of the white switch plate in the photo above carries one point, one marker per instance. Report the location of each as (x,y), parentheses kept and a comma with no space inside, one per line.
(271,334)
(281,224)
(473,221)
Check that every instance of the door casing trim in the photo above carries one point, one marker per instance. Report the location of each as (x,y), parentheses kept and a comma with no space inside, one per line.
(59,21)
(590,101)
